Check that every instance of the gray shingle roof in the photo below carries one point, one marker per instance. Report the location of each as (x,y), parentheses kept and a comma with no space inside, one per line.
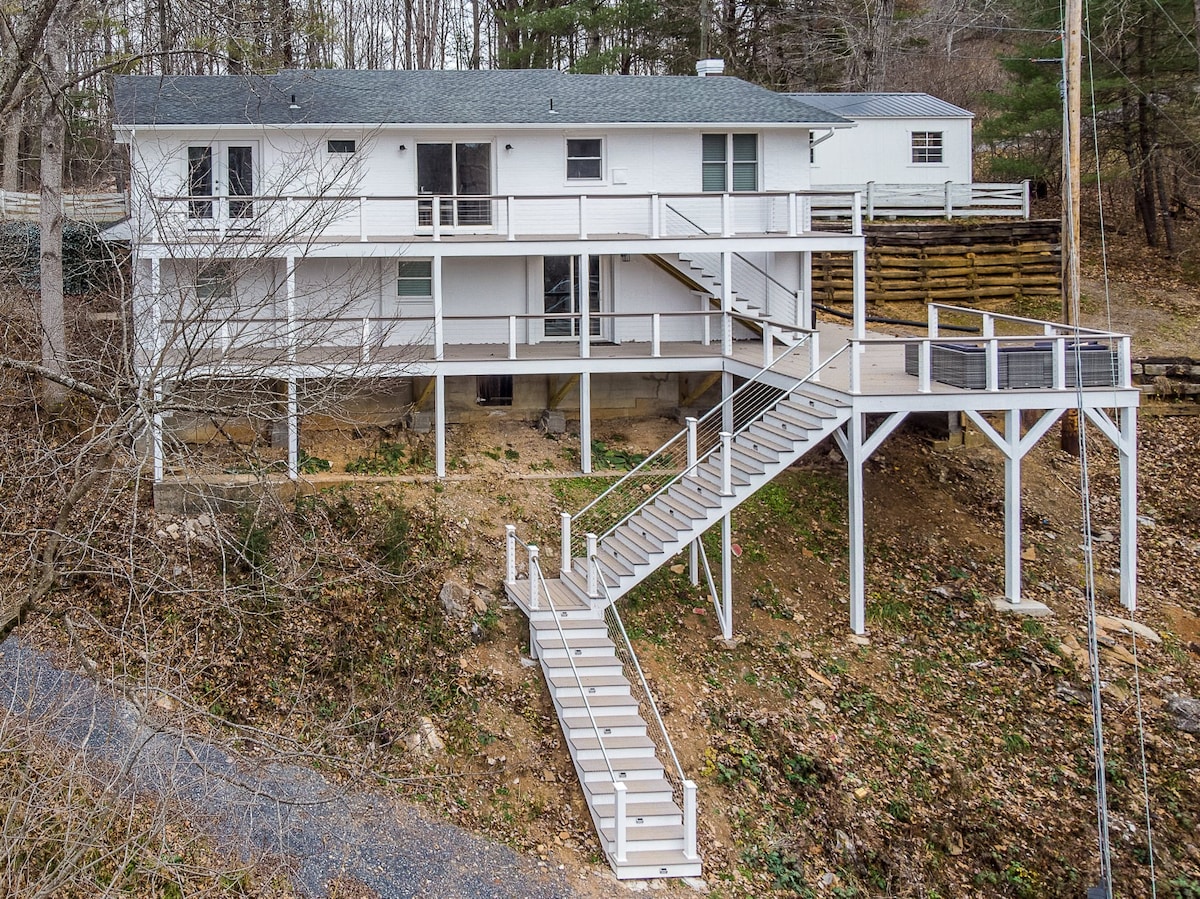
(883,106)
(333,96)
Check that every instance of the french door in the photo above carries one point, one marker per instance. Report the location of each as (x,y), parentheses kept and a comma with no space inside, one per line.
(454,171)
(221,173)
(562,296)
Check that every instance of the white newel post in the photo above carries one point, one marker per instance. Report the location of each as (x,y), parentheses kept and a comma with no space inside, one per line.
(510,553)
(565,552)
(726,464)
(593,582)
(694,547)
(814,354)
(619,822)
(689,820)
(924,350)
(533,578)
(293,430)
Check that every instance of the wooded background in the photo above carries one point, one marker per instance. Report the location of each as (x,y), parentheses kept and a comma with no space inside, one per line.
(998,58)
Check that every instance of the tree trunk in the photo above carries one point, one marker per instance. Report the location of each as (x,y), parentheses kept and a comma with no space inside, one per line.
(11,159)
(1164,204)
(53,127)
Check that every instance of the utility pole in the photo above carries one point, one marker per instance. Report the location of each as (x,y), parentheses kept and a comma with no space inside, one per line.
(1072,71)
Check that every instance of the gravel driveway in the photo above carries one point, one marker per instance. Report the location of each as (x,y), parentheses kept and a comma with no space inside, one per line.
(323,830)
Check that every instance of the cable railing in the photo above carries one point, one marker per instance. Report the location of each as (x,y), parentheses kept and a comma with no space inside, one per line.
(754,286)
(683,789)
(681,454)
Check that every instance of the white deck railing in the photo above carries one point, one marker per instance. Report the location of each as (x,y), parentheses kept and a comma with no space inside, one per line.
(369,338)
(948,200)
(1042,355)
(513,217)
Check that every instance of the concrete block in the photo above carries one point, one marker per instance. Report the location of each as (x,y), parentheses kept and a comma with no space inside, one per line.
(1030,608)
(420,422)
(553,421)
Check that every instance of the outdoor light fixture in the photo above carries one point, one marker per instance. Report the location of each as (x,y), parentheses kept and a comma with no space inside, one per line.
(508,147)
(403,148)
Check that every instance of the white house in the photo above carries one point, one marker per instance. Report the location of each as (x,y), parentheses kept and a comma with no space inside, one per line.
(590,244)
(898,138)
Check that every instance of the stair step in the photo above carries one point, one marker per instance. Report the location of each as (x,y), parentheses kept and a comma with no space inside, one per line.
(699,502)
(627,771)
(810,404)
(800,415)
(793,432)
(651,528)
(754,456)
(593,685)
(757,439)
(645,832)
(584,665)
(660,813)
(574,710)
(592,626)
(655,864)
(588,747)
(634,540)
(550,647)
(543,616)
(709,472)
(667,518)
(600,793)
(676,508)
(626,551)
(608,725)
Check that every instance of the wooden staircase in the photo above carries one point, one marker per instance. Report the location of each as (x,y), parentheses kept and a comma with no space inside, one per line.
(643,810)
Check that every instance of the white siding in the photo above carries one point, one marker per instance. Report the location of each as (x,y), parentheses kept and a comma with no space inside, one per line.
(881,150)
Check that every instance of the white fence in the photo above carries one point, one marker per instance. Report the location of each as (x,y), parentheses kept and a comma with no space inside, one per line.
(24,206)
(949,200)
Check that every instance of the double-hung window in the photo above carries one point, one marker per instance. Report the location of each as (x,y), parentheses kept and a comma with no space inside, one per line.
(926,147)
(585,159)
(414,278)
(729,162)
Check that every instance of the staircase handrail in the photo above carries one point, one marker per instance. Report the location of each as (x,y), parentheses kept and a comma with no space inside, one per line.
(701,458)
(657,458)
(637,667)
(737,256)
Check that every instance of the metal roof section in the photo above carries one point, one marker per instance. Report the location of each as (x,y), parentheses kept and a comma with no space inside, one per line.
(491,97)
(883,105)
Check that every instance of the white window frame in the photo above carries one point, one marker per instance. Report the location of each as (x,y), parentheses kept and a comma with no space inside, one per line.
(926,147)
(220,196)
(413,279)
(598,179)
(730,163)
(329,149)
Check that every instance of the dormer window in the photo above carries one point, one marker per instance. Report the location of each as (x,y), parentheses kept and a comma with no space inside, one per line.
(340,146)
(585,159)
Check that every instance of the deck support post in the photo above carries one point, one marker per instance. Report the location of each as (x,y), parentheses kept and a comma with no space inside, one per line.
(439,325)
(1012,505)
(1124,437)
(585,422)
(585,307)
(156,435)
(804,311)
(727,577)
(727,304)
(852,448)
(1128,454)
(289,295)
(293,430)
(439,425)
(1014,447)
(860,294)
(694,546)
